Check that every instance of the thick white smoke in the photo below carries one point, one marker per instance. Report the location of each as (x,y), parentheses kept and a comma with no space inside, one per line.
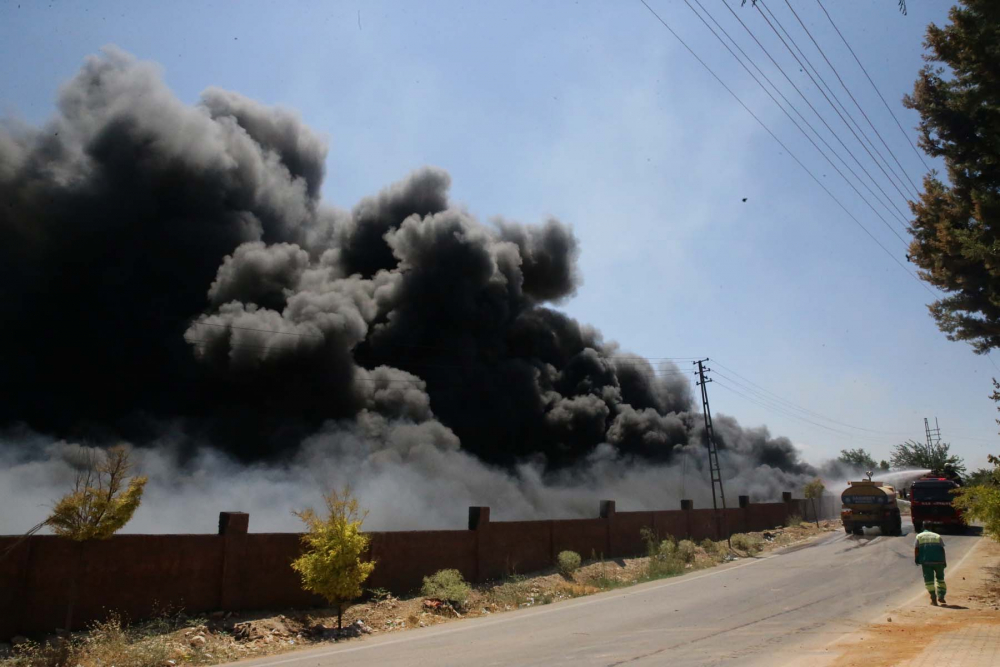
(406,477)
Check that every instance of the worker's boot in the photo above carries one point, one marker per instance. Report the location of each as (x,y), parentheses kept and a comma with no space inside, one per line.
(934,599)
(941,599)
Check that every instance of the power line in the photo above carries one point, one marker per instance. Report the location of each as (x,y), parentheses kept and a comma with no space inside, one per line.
(766,395)
(851,95)
(782,144)
(411,363)
(786,413)
(899,213)
(612,357)
(804,133)
(988,356)
(888,108)
(838,107)
(809,70)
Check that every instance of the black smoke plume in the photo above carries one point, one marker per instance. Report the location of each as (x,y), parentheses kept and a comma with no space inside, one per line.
(172,267)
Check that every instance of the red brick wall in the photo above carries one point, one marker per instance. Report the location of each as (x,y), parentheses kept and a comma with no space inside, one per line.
(137,574)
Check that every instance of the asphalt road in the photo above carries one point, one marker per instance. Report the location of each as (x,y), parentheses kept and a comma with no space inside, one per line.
(766,611)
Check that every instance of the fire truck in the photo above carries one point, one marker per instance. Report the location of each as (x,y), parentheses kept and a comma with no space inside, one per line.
(930,502)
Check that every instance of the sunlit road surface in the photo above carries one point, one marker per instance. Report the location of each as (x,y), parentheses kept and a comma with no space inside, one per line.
(752,612)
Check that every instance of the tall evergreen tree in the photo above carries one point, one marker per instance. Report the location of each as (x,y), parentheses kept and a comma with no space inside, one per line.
(956,230)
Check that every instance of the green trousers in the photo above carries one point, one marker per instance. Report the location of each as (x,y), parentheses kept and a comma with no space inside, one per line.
(931,571)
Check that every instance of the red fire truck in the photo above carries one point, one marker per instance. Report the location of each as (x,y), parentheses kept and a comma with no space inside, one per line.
(930,502)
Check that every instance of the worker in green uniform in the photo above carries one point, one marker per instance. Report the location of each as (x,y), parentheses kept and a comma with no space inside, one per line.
(928,551)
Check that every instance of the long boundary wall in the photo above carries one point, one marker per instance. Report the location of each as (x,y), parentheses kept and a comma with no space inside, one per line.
(137,575)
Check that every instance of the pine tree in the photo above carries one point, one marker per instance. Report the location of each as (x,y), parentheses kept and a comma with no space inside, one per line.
(956,229)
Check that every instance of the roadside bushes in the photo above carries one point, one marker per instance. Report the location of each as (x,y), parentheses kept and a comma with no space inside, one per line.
(686,550)
(664,558)
(446,586)
(568,562)
(747,543)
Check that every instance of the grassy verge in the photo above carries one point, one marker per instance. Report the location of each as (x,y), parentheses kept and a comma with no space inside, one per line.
(174,639)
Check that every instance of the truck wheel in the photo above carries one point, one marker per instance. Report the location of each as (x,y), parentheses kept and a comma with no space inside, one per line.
(918,526)
(860,530)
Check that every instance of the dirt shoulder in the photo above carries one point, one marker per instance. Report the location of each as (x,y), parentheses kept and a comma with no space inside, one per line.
(175,639)
(973,599)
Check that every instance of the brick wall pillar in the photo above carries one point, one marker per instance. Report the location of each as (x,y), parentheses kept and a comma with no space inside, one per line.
(687,505)
(479,520)
(608,513)
(233,527)
(786,497)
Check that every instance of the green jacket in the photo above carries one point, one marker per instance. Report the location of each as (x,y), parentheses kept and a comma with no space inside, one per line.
(928,549)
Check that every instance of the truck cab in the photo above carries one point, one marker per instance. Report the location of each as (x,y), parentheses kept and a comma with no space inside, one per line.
(930,502)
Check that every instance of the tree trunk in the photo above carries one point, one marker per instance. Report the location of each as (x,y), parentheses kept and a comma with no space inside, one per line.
(815,513)
(340,616)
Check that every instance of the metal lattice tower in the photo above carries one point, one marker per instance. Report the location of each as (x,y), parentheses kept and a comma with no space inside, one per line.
(713,451)
(933,435)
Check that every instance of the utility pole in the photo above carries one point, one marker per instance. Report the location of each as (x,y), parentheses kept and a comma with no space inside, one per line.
(715,471)
(933,435)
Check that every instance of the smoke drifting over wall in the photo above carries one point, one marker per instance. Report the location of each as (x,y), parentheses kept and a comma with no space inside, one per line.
(171,275)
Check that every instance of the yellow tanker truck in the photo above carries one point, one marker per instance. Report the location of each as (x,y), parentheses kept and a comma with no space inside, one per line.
(868,503)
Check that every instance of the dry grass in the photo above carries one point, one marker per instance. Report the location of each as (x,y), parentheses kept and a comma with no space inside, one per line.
(176,640)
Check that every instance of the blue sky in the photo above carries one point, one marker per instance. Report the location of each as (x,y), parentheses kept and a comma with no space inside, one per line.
(592,112)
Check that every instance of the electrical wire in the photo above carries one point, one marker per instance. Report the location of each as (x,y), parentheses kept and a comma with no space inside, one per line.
(782,144)
(625,357)
(851,95)
(790,415)
(785,404)
(804,133)
(857,60)
(809,69)
(410,363)
(899,213)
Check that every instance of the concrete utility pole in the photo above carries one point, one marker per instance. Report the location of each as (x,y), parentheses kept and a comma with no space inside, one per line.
(715,471)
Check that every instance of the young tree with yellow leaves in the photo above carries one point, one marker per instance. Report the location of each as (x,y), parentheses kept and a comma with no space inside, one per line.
(103,499)
(332,563)
(812,491)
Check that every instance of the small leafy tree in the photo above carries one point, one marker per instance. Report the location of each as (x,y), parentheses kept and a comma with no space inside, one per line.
(913,454)
(883,465)
(981,477)
(812,491)
(982,501)
(857,458)
(332,563)
(103,498)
